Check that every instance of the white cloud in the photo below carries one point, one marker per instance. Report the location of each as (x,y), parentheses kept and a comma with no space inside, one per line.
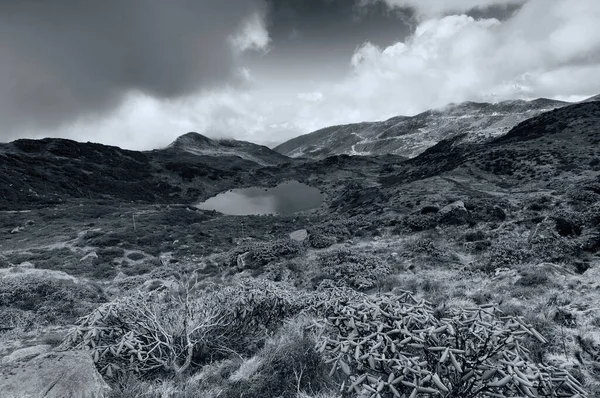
(252,35)
(313,96)
(548,48)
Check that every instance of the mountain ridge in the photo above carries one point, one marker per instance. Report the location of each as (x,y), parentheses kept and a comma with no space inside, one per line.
(410,135)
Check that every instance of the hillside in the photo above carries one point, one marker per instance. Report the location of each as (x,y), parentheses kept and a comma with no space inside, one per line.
(50,171)
(409,136)
(199,145)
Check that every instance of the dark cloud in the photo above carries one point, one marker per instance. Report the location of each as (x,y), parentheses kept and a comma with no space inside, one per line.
(61,59)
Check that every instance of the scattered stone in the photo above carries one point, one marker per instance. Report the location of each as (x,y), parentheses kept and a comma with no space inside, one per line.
(299,235)
(53,375)
(242,260)
(505,272)
(459,205)
(89,256)
(119,277)
(165,258)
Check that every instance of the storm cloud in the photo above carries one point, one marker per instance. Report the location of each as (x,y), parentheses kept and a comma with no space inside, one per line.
(61,60)
(138,73)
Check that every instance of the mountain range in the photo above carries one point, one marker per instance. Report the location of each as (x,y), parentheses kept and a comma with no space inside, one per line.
(410,135)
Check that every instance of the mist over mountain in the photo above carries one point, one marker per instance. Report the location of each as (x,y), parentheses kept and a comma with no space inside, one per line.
(409,136)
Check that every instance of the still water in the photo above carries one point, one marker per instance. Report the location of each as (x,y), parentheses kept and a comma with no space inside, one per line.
(286,198)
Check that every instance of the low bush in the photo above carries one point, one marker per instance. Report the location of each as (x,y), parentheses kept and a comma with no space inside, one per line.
(51,300)
(320,241)
(533,278)
(390,346)
(506,253)
(286,365)
(359,270)
(259,254)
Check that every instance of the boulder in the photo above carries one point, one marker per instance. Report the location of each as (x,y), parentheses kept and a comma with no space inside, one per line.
(53,375)
(26,264)
(22,271)
(25,353)
(299,235)
(454,214)
(459,206)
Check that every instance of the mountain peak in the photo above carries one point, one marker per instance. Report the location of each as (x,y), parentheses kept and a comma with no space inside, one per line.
(200,145)
(193,139)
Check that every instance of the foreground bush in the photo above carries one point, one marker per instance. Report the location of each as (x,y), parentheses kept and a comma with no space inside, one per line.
(151,332)
(391,346)
(286,365)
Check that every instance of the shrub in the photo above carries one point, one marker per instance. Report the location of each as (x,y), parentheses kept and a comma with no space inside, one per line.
(287,364)
(474,236)
(147,332)
(135,256)
(506,253)
(419,222)
(359,270)
(392,346)
(52,300)
(533,278)
(320,241)
(259,254)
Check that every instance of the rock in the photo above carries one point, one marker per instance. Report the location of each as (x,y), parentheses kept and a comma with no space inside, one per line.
(25,353)
(119,277)
(89,256)
(165,258)
(299,235)
(26,264)
(242,260)
(53,375)
(454,214)
(19,272)
(459,205)
(16,230)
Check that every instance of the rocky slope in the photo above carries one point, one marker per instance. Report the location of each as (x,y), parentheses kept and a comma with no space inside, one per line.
(409,136)
(199,145)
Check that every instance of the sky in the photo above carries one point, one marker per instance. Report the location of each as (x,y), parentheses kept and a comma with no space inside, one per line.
(139,73)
